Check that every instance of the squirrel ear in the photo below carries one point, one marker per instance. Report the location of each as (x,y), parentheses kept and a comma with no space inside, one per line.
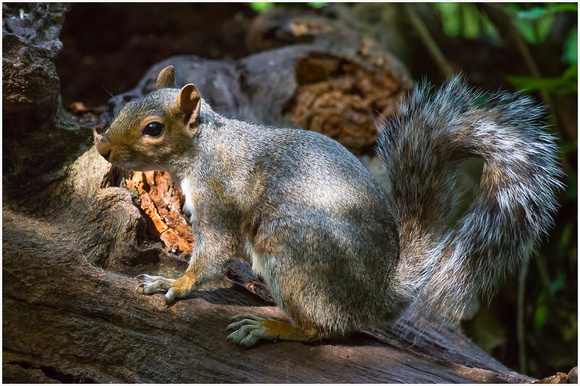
(189,101)
(166,78)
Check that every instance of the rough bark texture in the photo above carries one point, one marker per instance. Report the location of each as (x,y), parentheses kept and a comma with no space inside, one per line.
(162,204)
(70,321)
(73,239)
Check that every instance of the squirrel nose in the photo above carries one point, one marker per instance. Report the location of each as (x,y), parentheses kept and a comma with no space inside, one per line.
(102,145)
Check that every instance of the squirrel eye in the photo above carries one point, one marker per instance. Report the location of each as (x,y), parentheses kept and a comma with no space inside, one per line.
(153,129)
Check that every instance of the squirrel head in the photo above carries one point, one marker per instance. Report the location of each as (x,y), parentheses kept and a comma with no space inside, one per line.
(151,131)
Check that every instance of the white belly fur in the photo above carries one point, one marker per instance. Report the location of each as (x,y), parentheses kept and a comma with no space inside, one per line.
(262,266)
(188,207)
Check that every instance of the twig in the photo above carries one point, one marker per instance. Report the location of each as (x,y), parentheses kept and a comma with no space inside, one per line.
(520,316)
(429,42)
(504,24)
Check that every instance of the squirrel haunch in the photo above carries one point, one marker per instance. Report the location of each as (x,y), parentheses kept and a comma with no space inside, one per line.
(318,228)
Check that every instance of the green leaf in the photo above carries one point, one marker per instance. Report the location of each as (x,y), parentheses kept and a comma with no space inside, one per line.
(470,21)
(541,317)
(315,4)
(535,23)
(572,7)
(533,13)
(566,84)
(543,26)
(570,332)
(557,285)
(260,6)
(570,54)
(450,18)
(466,20)
(526,27)
(538,12)
(488,27)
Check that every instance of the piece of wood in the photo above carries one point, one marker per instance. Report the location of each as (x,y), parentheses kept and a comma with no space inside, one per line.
(76,322)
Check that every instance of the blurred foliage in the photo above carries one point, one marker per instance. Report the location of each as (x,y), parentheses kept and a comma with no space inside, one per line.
(260,6)
(550,300)
(565,84)
(534,24)
(464,19)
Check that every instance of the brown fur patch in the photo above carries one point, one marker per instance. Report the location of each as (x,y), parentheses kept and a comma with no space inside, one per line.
(286,331)
(186,283)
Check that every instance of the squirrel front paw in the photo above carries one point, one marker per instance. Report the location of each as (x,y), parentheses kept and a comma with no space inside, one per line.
(174,288)
(155,284)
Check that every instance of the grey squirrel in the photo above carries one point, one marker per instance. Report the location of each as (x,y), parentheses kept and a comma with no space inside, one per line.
(338,252)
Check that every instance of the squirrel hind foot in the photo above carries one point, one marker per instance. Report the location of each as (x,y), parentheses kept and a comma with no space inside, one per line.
(249,329)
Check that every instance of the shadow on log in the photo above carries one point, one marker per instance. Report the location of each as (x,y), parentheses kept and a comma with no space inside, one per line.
(73,240)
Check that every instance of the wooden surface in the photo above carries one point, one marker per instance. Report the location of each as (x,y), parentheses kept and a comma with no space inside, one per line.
(70,321)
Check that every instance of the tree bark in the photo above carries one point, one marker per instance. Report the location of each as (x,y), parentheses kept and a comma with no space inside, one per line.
(70,321)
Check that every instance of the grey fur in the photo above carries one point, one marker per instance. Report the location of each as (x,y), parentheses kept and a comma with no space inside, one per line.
(443,263)
(336,253)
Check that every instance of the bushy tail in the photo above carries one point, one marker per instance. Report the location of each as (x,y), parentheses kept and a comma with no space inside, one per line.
(443,264)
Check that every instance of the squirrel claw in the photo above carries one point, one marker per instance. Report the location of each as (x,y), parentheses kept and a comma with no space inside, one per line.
(246,317)
(170,297)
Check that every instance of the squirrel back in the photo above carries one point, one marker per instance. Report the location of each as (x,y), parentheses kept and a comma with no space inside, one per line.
(444,264)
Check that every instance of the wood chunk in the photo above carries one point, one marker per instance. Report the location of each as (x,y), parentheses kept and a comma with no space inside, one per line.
(162,204)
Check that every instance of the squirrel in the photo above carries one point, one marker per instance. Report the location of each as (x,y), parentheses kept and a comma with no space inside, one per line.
(338,252)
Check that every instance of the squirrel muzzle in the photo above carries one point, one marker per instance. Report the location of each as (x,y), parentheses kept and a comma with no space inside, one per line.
(102,144)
